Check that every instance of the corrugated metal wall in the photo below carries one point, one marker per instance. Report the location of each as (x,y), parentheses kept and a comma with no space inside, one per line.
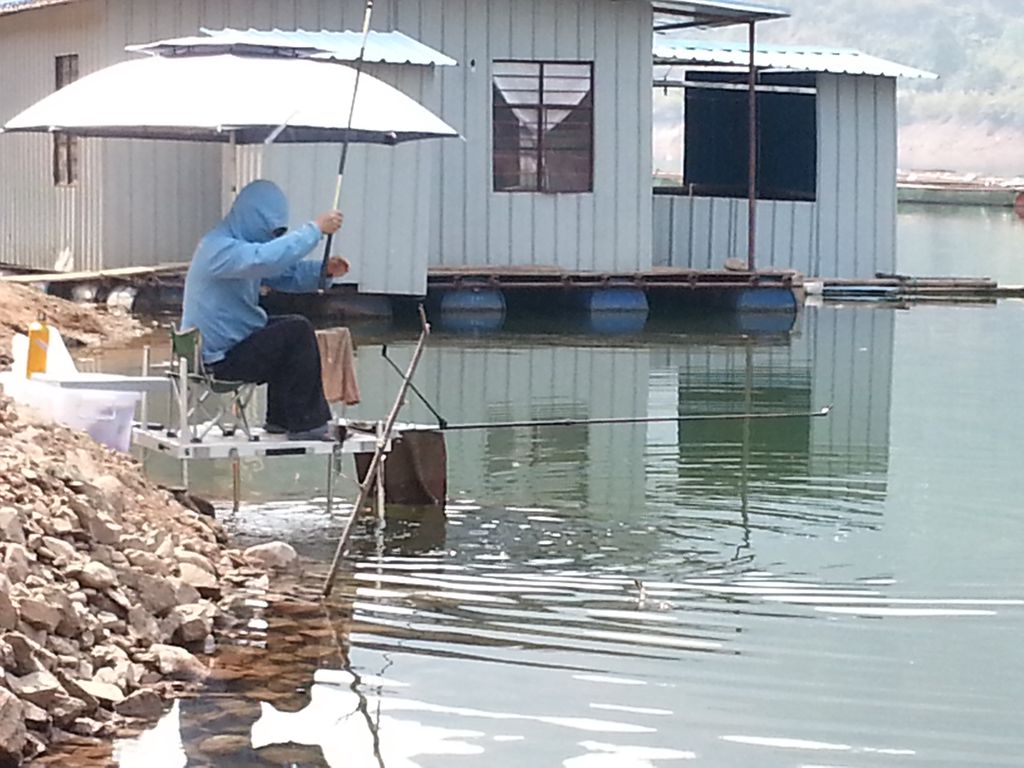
(150,201)
(43,225)
(609,229)
(850,231)
(158,196)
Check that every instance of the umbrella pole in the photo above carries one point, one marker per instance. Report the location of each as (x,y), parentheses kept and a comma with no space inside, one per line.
(229,171)
(345,143)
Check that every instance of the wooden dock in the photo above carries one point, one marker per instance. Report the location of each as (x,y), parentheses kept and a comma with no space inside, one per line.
(548,278)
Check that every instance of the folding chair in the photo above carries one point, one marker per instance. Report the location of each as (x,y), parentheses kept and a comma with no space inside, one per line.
(209,401)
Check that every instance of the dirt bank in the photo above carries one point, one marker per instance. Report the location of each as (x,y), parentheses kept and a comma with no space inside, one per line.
(79,324)
(109,588)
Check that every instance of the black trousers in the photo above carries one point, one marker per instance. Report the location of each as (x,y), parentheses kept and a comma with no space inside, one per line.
(283,355)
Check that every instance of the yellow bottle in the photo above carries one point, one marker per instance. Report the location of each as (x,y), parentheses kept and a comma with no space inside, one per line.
(38,346)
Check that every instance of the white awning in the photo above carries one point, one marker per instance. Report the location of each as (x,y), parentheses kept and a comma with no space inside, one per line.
(677,14)
(793,58)
(381,47)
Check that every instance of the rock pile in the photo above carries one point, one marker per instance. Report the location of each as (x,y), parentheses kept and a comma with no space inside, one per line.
(108,588)
(77,323)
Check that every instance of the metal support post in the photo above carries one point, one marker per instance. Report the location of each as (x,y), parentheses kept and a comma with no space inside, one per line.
(184,431)
(752,150)
(236,480)
(332,460)
(144,405)
(381,439)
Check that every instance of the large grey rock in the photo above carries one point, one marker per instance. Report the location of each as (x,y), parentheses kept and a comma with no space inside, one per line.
(28,655)
(98,525)
(95,575)
(194,558)
(61,548)
(186,593)
(39,613)
(177,663)
(201,579)
(70,624)
(12,729)
(275,555)
(114,492)
(143,704)
(195,621)
(17,562)
(66,709)
(157,595)
(144,626)
(11,526)
(41,687)
(104,692)
(8,613)
(36,718)
(148,562)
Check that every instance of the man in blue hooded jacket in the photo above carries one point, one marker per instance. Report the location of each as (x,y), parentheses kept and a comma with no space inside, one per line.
(249,249)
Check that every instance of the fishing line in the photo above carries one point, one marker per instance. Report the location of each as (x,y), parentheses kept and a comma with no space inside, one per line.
(442,422)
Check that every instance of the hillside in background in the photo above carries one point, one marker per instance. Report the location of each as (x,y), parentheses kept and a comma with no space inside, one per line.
(972,118)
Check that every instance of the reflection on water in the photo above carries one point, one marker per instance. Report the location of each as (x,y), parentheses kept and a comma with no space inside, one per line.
(842,591)
(747,593)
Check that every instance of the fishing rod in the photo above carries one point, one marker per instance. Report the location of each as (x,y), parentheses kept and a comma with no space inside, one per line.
(638,420)
(345,143)
(378,454)
(445,426)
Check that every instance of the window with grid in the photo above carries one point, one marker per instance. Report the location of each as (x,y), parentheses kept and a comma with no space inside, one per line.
(543,117)
(65,147)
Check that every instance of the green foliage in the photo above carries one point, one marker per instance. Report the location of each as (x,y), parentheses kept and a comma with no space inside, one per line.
(976,48)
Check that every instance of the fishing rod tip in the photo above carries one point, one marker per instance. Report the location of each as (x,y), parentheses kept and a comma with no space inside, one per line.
(826,410)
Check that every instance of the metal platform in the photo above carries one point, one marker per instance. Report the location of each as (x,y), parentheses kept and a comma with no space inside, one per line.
(239,446)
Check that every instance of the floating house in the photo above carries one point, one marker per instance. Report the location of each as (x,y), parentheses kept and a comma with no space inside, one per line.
(553,97)
(826,149)
(554,101)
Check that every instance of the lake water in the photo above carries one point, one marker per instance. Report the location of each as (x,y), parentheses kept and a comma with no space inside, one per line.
(839,591)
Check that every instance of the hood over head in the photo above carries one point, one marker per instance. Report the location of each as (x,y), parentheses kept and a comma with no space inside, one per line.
(259,209)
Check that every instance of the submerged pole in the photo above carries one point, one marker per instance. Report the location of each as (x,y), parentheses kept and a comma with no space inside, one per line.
(752,150)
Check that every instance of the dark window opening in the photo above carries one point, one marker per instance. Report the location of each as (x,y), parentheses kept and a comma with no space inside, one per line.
(65,147)
(543,116)
(715,161)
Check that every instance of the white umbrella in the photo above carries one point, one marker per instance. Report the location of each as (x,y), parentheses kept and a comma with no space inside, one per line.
(248,100)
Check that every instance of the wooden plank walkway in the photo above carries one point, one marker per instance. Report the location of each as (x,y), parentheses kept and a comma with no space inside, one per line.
(94,275)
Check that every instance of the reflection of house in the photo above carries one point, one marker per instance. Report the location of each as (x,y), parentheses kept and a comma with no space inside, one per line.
(552,96)
(826,159)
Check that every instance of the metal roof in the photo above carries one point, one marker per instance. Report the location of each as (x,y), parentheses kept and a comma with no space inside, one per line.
(678,14)
(674,13)
(842,61)
(13,6)
(382,47)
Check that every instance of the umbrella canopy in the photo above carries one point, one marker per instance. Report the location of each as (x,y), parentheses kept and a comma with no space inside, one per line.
(215,98)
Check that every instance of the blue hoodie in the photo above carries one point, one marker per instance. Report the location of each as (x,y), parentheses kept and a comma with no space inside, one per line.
(232,261)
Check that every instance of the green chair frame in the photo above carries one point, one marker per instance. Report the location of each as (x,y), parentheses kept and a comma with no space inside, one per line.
(211,402)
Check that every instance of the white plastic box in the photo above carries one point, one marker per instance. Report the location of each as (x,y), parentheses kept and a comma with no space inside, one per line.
(105,415)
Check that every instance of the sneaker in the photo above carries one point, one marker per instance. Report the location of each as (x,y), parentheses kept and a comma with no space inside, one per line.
(322,432)
(274,429)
